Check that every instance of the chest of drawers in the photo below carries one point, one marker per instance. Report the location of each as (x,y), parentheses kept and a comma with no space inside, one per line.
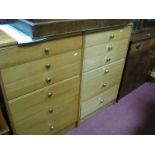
(40,84)
(50,86)
(103,63)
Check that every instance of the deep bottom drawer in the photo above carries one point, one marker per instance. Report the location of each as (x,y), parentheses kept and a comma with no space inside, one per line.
(102,99)
(37,113)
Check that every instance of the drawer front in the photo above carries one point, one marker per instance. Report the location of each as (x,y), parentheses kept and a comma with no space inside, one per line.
(38,112)
(143,35)
(22,79)
(142,46)
(101,79)
(98,101)
(11,56)
(107,36)
(97,56)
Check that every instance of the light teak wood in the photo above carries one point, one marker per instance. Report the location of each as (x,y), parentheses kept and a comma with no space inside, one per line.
(103,63)
(103,54)
(36,113)
(107,36)
(99,101)
(14,55)
(41,83)
(22,79)
(99,80)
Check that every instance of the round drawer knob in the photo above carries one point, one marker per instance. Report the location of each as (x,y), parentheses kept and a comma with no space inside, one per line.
(50,110)
(108,60)
(47,50)
(104,85)
(48,80)
(106,71)
(109,48)
(50,94)
(48,66)
(51,127)
(101,101)
(111,36)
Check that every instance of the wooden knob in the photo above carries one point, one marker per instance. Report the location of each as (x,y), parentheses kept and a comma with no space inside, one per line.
(50,110)
(48,66)
(111,36)
(51,127)
(106,71)
(47,50)
(108,60)
(104,85)
(109,48)
(101,101)
(50,94)
(48,80)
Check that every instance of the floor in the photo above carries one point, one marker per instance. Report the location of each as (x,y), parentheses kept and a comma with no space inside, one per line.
(134,114)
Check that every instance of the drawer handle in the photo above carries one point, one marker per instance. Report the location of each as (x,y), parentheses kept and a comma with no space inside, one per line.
(108,59)
(50,110)
(48,66)
(48,80)
(138,46)
(50,94)
(106,71)
(109,48)
(47,50)
(51,127)
(148,35)
(111,36)
(104,85)
(101,101)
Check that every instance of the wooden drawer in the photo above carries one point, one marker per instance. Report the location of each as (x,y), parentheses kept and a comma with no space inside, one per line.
(11,56)
(36,112)
(142,35)
(99,101)
(97,56)
(28,77)
(142,46)
(101,79)
(107,36)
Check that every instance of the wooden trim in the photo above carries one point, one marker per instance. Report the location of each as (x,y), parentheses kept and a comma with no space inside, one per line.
(81,72)
(65,26)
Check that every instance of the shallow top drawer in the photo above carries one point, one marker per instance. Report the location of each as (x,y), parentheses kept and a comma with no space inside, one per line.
(102,37)
(103,54)
(11,56)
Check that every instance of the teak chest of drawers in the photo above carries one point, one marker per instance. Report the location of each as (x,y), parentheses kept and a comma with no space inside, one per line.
(103,63)
(50,86)
(41,84)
